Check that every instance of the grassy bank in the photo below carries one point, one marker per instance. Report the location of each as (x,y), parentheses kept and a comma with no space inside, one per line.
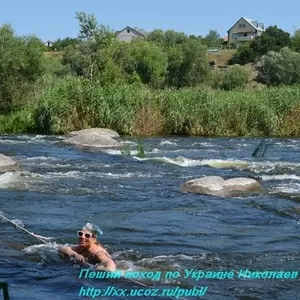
(71,103)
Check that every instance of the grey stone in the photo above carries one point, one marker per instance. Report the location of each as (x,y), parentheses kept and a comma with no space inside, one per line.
(93,137)
(99,131)
(92,140)
(7,164)
(217,186)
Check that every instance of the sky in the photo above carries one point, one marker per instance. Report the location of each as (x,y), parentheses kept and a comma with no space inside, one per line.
(50,20)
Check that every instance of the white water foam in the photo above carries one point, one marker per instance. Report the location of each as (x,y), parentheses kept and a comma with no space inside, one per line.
(18,222)
(155,150)
(289,188)
(7,141)
(77,174)
(9,178)
(49,247)
(286,145)
(51,165)
(268,166)
(38,137)
(243,145)
(128,143)
(50,175)
(22,139)
(280,177)
(187,162)
(170,257)
(113,152)
(120,152)
(167,142)
(126,175)
(42,158)
(205,144)
(48,252)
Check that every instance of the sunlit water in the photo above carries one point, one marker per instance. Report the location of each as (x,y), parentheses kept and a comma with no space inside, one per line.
(148,222)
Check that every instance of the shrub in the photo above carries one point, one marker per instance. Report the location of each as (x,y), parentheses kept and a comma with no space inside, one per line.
(282,67)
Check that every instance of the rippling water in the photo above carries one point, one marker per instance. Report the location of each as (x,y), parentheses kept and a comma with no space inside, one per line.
(148,222)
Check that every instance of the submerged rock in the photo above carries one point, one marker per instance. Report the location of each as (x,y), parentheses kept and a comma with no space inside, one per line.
(217,186)
(94,137)
(7,164)
(220,164)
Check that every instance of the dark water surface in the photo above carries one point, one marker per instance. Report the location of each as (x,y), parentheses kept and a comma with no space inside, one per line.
(148,222)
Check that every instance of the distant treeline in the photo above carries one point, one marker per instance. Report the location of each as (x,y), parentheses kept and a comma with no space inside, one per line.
(159,85)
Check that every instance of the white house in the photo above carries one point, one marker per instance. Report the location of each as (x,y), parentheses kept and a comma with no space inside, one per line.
(129,33)
(49,43)
(244,30)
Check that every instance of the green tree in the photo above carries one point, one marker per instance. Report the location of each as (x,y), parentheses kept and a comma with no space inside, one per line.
(213,39)
(244,55)
(272,39)
(21,64)
(157,36)
(175,58)
(173,37)
(295,41)
(147,60)
(233,78)
(88,25)
(194,68)
(187,64)
(282,67)
(167,38)
(54,66)
(87,58)
(61,44)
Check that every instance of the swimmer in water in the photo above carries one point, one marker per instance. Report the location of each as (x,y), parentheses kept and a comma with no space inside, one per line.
(89,249)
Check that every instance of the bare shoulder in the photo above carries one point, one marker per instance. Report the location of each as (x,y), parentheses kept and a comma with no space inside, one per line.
(102,254)
(104,258)
(76,248)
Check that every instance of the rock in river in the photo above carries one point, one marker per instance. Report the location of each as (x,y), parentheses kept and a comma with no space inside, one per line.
(94,137)
(99,131)
(217,186)
(7,164)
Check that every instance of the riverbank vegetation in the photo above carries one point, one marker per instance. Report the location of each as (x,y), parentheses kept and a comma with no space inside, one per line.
(162,85)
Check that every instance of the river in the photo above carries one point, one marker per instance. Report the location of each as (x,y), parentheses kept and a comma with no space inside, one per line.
(148,222)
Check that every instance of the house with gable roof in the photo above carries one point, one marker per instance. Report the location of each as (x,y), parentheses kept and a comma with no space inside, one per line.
(244,30)
(129,33)
(49,43)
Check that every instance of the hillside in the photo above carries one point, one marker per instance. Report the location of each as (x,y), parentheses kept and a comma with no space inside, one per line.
(53,54)
(221,57)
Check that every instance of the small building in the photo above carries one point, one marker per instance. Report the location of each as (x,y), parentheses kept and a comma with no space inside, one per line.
(129,33)
(244,30)
(49,43)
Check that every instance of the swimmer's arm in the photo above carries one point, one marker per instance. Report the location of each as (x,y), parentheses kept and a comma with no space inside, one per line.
(71,252)
(107,263)
(68,250)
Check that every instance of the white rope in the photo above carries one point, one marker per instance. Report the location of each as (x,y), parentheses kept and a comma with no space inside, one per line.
(39,237)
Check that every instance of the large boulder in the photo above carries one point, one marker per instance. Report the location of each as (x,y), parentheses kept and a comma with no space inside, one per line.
(94,137)
(217,186)
(7,164)
(98,131)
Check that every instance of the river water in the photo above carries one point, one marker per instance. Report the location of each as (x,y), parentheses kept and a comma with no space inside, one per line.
(148,222)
